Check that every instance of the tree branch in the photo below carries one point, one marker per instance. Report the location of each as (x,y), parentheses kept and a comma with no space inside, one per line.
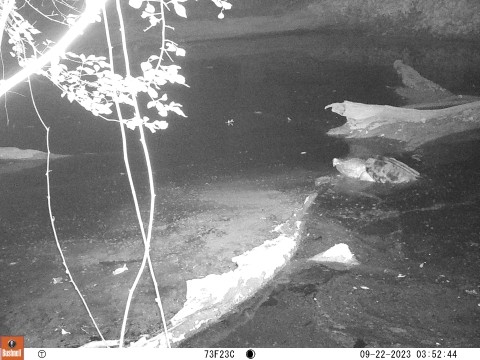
(89,16)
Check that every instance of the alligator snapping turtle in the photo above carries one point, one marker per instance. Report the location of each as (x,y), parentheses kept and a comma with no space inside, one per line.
(379,169)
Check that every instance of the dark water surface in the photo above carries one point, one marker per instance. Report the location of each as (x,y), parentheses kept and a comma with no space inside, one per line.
(273,90)
(258,103)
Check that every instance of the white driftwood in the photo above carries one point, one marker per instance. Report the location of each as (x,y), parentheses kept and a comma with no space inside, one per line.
(413,125)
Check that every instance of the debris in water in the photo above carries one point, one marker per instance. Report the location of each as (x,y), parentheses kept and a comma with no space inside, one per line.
(120,270)
(322,180)
(339,253)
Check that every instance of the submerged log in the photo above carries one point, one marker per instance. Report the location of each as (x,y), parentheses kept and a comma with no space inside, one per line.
(421,93)
(416,88)
(412,127)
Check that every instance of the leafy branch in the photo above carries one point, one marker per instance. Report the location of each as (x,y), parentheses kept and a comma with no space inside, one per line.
(92,82)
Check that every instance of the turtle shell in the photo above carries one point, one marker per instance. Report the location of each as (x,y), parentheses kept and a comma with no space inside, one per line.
(352,167)
(389,170)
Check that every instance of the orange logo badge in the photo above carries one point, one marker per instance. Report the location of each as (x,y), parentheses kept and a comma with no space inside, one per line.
(12,347)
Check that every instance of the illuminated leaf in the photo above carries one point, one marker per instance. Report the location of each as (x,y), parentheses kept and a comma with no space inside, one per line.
(136,4)
(152,92)
(170,47)
(150,9)
(180,52)
(89,71)
(226,5)
(179,9)
(146,66)
(154,20)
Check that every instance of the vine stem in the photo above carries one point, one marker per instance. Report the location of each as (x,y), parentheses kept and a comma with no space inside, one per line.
(146,237)
(52,218)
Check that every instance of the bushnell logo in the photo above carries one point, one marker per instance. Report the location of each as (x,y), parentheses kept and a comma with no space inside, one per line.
(12,347)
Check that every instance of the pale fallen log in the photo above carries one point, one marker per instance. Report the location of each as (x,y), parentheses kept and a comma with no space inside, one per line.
(439,114)
(411,126)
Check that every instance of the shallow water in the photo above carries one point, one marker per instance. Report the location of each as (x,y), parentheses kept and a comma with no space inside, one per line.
(417,283)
